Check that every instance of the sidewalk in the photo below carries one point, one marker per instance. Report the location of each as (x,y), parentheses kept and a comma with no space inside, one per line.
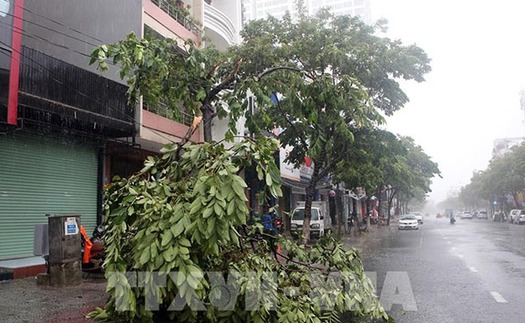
(22,300)
(368,239)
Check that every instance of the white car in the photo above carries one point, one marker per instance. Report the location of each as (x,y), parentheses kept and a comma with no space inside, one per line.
(408,222)
(419,217)
(466,215)
(513,214)
(519,218)
(482,215)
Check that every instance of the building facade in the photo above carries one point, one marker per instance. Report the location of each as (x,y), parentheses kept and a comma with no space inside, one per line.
(296,179)
(65,128)
(258,9)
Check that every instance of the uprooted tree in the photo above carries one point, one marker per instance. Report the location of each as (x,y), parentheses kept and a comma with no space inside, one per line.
(178,230)
(178,247)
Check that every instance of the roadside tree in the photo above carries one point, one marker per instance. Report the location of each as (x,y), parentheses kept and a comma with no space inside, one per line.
(336,76)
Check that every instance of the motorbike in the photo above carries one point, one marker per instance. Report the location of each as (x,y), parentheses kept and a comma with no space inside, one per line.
(452,220)
(92,249)
(278,223)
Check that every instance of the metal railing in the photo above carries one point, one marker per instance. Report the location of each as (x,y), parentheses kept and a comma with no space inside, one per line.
(179,16)
(164,110)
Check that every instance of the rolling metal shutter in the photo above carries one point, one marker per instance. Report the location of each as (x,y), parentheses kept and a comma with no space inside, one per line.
(39,176)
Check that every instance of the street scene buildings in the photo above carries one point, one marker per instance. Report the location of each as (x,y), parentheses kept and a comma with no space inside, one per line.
(67,129)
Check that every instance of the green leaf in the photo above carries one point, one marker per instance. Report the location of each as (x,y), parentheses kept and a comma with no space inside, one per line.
(207,212)
(269,180)
(177,229)
(145,256)
(167,236)
(201,95)
(184,242)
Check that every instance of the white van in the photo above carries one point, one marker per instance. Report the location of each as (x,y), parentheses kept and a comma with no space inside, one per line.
(320,222)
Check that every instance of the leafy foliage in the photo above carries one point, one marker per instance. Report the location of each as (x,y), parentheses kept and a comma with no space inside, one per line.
(332,76)
(184,216)
(179,75)
(503,177)
(378,158)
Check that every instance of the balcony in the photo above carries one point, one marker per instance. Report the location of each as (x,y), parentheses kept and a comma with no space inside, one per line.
(61,96)
(219,27)
(177,13)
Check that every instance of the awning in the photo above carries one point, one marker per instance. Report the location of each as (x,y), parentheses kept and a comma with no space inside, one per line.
(298,187)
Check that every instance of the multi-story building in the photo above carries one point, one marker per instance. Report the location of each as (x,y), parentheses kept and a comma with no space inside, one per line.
(257,9)
(65,128)
(503,145)
(295,180)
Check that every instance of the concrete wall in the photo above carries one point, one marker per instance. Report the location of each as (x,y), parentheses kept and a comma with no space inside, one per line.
(70,29)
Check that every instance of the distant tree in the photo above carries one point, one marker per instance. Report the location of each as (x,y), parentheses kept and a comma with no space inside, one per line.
(502,178)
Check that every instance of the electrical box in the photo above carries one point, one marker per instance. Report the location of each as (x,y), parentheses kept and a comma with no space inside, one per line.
(65,264)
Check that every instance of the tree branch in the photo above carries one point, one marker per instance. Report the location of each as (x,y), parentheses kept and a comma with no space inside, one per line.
(277,68)
(226,82)
(291,124)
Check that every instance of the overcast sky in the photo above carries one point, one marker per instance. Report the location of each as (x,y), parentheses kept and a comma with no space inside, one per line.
(471,97)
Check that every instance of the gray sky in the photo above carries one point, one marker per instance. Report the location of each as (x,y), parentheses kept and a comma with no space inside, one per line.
(471,97)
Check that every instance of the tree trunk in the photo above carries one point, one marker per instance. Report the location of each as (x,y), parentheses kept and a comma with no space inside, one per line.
(380,214)
(390,196)
(308,211)
(338,213)
(309,198)
(208,115)
(354,216)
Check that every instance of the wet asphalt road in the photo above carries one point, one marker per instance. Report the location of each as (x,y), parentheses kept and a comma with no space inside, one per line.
(473,271)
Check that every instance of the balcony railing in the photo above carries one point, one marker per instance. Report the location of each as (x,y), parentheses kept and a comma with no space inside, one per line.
(220,23)
(177,14)
(164,110)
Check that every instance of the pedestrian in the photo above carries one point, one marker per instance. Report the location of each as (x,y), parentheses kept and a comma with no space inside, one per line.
(374,216)
(267,222)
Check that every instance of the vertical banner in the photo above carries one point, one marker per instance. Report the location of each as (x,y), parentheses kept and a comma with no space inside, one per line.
(6,34)
(16,48)
(11,15)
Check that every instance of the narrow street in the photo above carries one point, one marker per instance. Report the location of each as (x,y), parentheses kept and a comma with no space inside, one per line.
(473,271)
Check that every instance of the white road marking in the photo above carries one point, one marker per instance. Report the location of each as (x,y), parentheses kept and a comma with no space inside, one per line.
(461,256)
(473,269)
(497,297)
(449,242)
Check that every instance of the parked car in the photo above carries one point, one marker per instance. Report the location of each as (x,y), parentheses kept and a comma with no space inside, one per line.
(519,218)
(513,213)
(466,215)
(482,214)
(419,217)
(408,222)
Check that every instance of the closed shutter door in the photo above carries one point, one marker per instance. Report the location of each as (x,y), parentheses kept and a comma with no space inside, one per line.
(39,176)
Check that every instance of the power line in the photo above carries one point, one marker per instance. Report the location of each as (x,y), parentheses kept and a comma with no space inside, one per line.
(25,33)
(133,121)
(60,24)
(62,83)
